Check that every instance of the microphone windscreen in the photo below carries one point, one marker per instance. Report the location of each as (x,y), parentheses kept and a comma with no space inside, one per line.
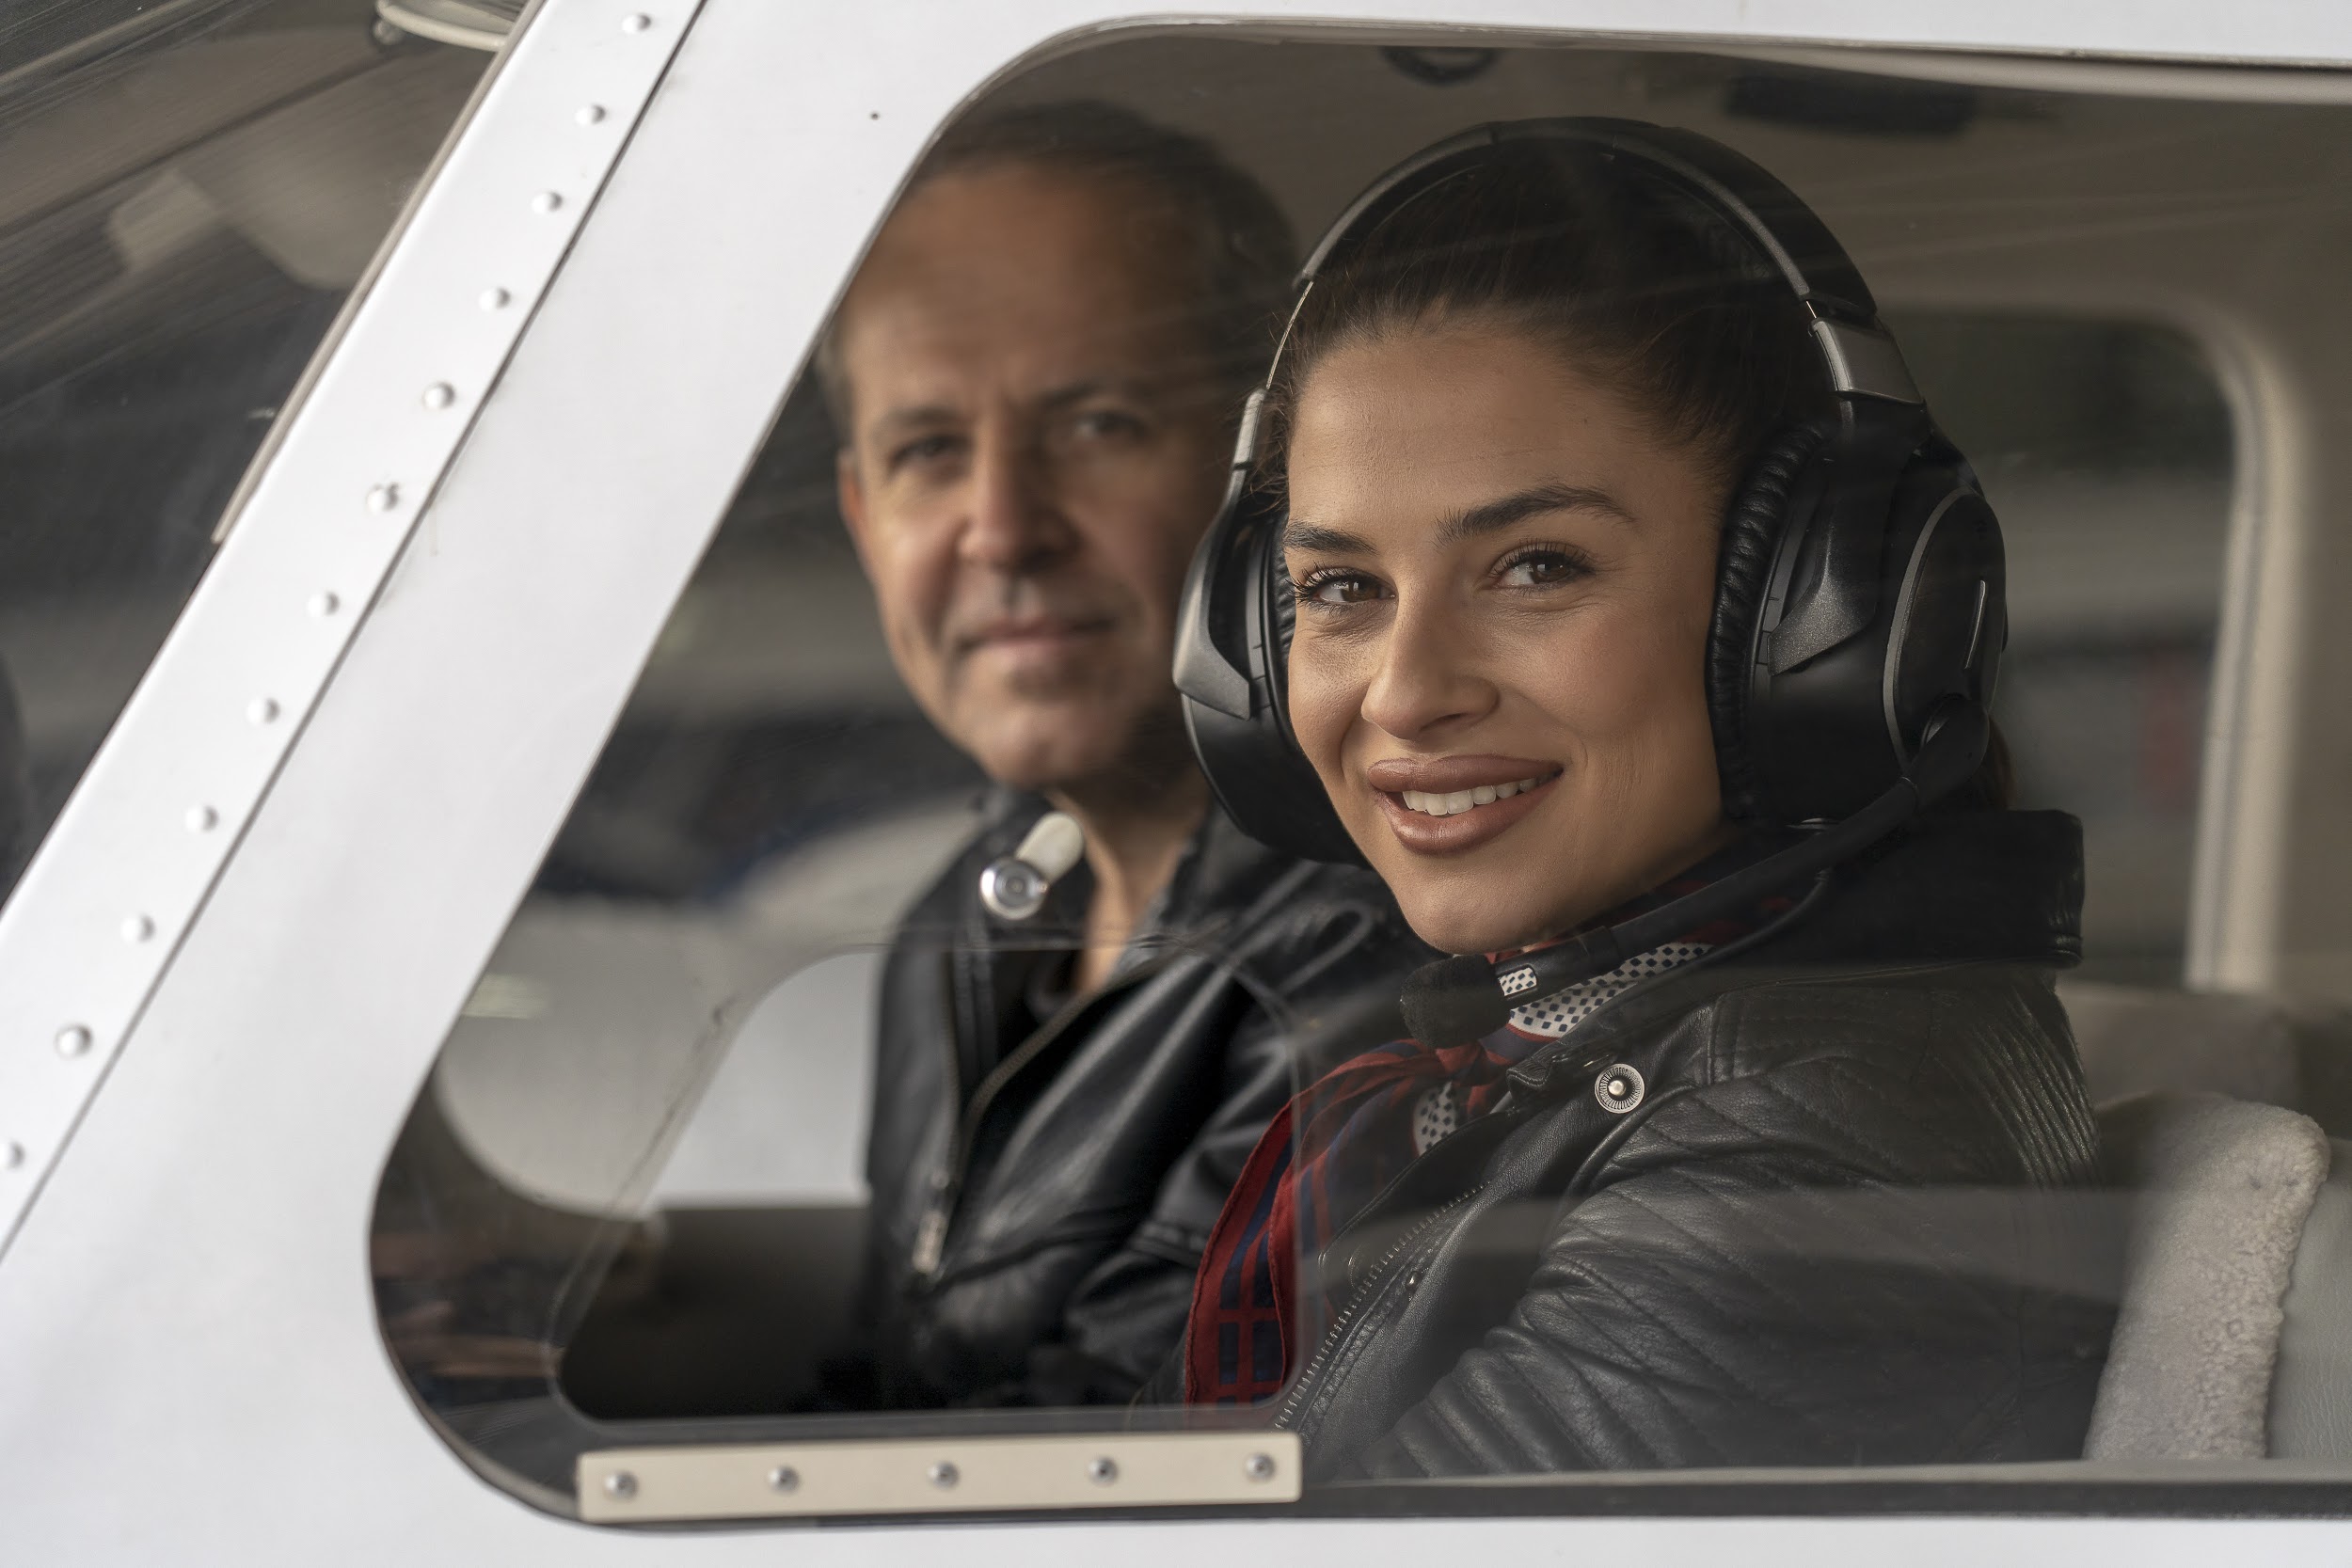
(1052,846)
(1455,1001)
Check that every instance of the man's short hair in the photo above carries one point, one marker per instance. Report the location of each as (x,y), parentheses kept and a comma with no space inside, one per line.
(1246,253)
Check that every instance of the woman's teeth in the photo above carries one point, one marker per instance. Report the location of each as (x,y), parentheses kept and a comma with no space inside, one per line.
(1462,800)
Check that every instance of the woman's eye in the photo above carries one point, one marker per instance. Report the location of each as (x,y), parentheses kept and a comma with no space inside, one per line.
(1336,588)
(1542,569)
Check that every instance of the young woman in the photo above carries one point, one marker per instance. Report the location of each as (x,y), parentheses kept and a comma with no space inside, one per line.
(1788,1186)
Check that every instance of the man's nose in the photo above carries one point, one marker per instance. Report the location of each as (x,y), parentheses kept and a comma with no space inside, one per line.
(1427,679)
(1014,521)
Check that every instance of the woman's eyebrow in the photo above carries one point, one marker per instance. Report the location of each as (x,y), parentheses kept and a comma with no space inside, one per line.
(1307,536)
(1533,501)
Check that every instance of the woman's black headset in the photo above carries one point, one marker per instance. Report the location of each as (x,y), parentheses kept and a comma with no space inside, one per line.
(1860,607)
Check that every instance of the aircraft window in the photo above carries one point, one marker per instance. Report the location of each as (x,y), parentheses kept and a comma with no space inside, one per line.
(695,1171)
(189,194)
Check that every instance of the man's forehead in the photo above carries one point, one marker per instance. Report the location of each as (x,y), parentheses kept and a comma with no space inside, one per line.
(1017,275)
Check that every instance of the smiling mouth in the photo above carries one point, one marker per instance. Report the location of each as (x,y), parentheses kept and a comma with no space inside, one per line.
(1454,802)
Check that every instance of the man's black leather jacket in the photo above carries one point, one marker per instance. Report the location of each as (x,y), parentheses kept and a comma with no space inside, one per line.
(1042,1185)
(1841,1225)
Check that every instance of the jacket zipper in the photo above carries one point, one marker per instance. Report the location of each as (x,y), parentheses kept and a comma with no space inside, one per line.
(931,1235)
(1361,1295)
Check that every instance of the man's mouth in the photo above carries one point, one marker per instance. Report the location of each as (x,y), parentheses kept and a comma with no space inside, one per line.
(1033,630)
(1452,802)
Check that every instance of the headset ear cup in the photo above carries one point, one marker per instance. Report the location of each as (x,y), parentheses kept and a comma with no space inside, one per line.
(1743,572)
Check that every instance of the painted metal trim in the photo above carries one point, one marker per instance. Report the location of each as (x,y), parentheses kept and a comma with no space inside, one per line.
(99,915)
(969,1475)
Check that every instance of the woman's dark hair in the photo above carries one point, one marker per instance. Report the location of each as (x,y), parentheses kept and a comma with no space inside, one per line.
(1634,285)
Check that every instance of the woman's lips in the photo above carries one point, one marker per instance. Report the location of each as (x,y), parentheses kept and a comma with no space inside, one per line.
(1449,804)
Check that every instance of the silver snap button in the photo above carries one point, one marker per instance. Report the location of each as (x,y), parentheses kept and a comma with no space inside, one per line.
(1103,1471)
(620,1483)
(784,1479)
(1619,1089)
(1259,1466)
(944,1475)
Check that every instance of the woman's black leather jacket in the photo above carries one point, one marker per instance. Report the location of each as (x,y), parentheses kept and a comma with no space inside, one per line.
(1044,1173)
(1842,1225)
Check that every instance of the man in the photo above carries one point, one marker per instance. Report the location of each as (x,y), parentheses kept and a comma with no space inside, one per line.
(1034,377)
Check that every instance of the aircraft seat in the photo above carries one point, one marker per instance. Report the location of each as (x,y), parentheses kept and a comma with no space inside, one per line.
(2136,1039)
(2223,1194)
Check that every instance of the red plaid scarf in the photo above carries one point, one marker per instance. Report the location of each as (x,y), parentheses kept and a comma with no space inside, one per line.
(1353,1136)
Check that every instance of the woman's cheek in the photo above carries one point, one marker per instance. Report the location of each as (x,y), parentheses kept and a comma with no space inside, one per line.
(1319,711)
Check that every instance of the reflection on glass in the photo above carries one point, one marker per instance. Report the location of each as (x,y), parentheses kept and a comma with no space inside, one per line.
(186,194)
(632,1203)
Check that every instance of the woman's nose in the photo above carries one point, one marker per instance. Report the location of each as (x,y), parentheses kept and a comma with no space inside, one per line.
(1428,677)
(1013,522)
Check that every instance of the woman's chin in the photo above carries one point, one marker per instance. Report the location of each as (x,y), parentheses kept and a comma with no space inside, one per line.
(1452,923)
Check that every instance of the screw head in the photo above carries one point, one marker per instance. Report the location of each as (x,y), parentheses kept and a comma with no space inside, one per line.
(1259,1466)
(73,1040)
(784,1479)
(620,1483)
(1103,1471)
(138,928)
(944,1475)
(262,710)
(383,498)
(439,395)
(203,820)
(495,299)
(547,201)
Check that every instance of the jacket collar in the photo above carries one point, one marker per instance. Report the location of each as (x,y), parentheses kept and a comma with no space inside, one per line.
(1958,887)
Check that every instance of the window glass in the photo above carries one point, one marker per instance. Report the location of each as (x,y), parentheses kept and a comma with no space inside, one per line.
(189,193)
(718,1149)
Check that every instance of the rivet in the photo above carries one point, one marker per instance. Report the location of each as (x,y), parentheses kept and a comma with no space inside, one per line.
(495,299)
(138,928)
(324,605)
(546,202)
(944,1475)
(383,498)
(1259,1466)
(262,710)
(784,1479)
(203,820)
(620,1483)
(636,22)
(72,1040)
(439,395)
(12,1156)
(590,114)
(1102,1472)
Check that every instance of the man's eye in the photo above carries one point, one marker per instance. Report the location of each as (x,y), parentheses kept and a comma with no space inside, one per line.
(1097,424)
(1338,588)
(1542,568)
(923,450)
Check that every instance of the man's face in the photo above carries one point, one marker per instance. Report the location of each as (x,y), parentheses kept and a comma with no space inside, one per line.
(1035,448)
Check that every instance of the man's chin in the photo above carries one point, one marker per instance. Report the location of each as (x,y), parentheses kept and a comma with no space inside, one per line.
(1075,746)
